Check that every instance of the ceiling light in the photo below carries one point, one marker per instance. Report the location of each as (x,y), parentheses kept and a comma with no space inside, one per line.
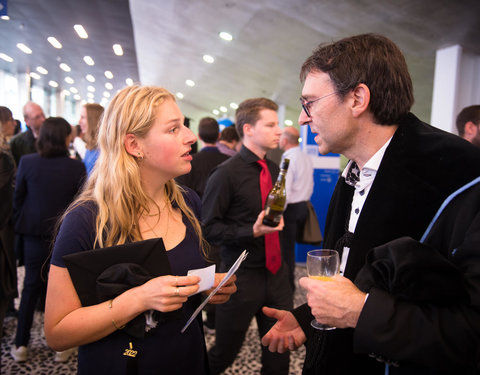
(77,97)
(90,95)
(108,86)
(129,81)
(234,105)
(180,95)
(88,60)
(225,36)
(91,88)
(223,109)
(34,75)
(81,31)
(5,57)
(65,67)
(69,80)
(190,83)
(106,94)
(117,48)
(66,92)
(208,59)
(288,122)
(90,100)
(73,90)
(53,83)
(22,47)
(54,42)
(90,78)
(108,74)
(5,18)
(216,112)
(42,70)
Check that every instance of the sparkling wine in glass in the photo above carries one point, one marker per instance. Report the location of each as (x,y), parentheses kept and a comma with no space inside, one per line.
(322,265)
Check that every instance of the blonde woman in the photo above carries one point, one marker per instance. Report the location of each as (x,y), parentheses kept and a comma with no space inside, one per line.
(90,117)
(131,197)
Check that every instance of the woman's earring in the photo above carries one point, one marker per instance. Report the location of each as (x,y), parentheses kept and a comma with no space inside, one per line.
(140,157)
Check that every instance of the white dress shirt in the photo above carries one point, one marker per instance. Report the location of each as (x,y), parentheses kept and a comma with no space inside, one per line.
(299,178)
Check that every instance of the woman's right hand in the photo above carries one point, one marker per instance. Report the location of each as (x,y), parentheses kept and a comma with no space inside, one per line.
(168,293)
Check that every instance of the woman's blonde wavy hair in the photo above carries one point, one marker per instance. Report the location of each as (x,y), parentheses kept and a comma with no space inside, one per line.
(115,184)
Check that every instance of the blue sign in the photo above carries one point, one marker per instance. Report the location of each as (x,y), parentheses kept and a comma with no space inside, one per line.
(3,8)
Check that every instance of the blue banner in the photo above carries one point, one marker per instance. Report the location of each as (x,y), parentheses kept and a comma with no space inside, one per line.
(3,8)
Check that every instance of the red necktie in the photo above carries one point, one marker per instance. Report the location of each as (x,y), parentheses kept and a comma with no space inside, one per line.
(273,256)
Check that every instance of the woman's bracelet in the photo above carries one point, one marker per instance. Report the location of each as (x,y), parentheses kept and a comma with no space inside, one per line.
(113,321)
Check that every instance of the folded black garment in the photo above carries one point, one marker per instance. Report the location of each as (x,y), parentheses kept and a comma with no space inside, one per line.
(102,274)
(412,271)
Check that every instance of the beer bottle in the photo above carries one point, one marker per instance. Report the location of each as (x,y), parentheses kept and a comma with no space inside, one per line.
(276,199)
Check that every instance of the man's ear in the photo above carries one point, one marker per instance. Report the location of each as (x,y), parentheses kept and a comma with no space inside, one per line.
(470,130)
(132,146)
(361,99)
(247,129)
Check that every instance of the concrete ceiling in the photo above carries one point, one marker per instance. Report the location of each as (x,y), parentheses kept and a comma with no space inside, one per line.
(271,39)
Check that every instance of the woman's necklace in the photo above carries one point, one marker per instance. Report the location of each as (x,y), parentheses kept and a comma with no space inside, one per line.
(159,217)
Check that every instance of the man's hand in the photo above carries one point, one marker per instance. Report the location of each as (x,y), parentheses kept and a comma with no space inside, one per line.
(286,334)
(224,293)
(337,302)
(260,229)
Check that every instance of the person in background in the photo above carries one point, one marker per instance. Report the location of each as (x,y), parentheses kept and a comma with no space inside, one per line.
(78,144)
(299,189)
(8,268)
(468,124)
(24,143)
(229,142)
(232,214)
(380,219)
(90,116)
(132,196)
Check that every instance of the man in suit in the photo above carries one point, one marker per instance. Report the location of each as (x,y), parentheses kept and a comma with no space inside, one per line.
(356,97)
(468,124)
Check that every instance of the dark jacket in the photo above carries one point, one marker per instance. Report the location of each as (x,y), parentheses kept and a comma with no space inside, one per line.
(43,190)
(22,144)
(421,167)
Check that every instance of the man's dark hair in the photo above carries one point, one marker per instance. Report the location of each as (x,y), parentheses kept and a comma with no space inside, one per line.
(248,112)
(208,130)
(229,134)
(373,60)
(53,134)
(471,113)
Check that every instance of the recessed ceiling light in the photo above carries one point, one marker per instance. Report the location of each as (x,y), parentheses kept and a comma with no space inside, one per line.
(108,74)
(90,100)
(88,60)
(22,47)
(77,97)
(117,48)
(65,67)
(233,105)
(69,80)
(288,122)
(90,78)
(5,18)
(66,92)
(225,36)
(208,59)
(53,83)
(73,90)
(216,112)
(34,75)
(190,83)
(106,94)
(129,81)
(91,88)
(42,70)
(90,95)
(5,57)
(54,42)
(81,31)
(108,86)
(180,95)
(223,109)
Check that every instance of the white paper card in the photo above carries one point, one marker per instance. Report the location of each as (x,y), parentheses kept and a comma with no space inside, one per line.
(230,272)
(207,277)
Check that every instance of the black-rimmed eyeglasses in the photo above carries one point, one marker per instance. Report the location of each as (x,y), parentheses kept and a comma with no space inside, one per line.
(307,104)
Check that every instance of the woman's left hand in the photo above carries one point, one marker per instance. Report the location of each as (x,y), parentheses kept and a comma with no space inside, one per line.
(223,294)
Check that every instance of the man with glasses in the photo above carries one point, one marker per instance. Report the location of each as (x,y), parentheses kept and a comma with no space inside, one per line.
(468,124)
(407,297)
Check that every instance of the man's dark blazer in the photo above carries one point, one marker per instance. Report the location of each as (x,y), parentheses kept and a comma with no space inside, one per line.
(22,144)
(43,190)
(421,167)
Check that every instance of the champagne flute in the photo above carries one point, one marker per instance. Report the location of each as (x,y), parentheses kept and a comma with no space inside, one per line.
(322,265)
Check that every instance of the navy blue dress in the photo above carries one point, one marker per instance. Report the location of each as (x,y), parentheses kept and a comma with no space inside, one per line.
(164,350)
